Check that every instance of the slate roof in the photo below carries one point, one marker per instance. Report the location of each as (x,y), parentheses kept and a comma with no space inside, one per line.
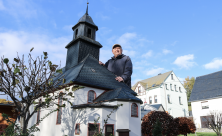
(157,106)
(89,72)
(153,82)
(207,87)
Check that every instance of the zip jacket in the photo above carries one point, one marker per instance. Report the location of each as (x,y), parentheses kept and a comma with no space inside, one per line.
(121,66)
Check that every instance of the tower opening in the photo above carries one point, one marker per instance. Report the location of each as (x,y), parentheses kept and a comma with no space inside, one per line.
(89,33)
(76,33)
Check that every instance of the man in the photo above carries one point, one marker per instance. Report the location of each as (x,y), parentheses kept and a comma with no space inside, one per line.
(120,65)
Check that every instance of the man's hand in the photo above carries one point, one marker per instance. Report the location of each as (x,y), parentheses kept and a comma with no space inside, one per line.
(101,63)
(120,79)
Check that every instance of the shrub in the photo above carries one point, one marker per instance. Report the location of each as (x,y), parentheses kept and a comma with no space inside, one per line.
(185,125)
(168,125)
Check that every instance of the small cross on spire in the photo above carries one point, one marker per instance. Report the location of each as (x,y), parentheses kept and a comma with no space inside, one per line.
(87,8)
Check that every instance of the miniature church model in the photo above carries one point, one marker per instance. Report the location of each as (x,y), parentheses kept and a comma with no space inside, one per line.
(97,95)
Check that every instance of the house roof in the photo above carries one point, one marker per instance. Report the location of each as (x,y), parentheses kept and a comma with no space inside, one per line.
(207,87)
(153,82)
(157,106)
(90,72)
(94,105)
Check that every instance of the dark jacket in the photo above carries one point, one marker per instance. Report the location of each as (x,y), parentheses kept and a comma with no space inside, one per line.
(121,66)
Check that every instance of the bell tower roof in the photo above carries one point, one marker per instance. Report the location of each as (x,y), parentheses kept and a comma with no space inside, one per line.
(86,19)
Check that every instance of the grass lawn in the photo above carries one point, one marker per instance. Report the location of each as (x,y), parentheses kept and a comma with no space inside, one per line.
(202,134)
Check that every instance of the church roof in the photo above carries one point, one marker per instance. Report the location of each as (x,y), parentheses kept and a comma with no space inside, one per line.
(90,72)
(207,87)
(153,82)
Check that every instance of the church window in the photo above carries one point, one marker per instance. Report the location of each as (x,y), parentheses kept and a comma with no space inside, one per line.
(109,129)
(91,96)
(38,112)
(77,129)
(171,76)
(134,110)
(92,128)
(171,87)
(166,87)
(76,33)
(89,33)
(175,87)
(59,113)
(180,89)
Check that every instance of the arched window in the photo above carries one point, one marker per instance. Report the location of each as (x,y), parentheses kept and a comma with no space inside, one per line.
(38,112)
(59,113)
(134,110)
(91,96)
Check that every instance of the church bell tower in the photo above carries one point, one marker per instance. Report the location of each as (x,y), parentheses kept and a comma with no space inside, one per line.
(84,41)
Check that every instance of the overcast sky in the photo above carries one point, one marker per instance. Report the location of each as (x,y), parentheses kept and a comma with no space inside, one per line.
(180,35)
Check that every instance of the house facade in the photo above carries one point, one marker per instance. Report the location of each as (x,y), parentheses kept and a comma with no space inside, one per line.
(206,97)
(165,89)
(95,90)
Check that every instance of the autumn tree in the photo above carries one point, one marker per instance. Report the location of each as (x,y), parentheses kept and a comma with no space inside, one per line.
(188,85)
(185,125)
(168,125)
(25,82)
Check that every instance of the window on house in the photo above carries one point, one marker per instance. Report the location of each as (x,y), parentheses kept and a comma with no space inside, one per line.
(77,129)
(180,101)
(205,105)
(153,85)
(139,89)
(150,100)
(175,87)
(134,110)
(166,87)
(76,33)
(171,76)
(92,129)
(109,130)
(180,89)
(59,113)
(38,112)
(155,99)
(171,87)
(89,33)
(168,98)
(91,96)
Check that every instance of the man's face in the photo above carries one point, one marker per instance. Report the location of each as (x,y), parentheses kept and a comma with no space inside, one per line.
(117,51)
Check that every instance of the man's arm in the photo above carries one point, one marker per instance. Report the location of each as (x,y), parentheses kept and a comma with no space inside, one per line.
(128,69)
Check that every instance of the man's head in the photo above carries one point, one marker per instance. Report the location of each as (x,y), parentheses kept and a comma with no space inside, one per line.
(117,50)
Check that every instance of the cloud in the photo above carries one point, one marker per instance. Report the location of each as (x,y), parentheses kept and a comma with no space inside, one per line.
(216,63)
(185,61)
(12,42)
(103,17)
(68,27)
(2,7)
(155,71)
(181,79)
(174,43)
(165,51)
(125,39)
(20,8)
(129,53)
(148,54)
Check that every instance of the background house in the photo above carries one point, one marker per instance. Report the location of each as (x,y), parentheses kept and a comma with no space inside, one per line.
(206,96)
(165,89)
